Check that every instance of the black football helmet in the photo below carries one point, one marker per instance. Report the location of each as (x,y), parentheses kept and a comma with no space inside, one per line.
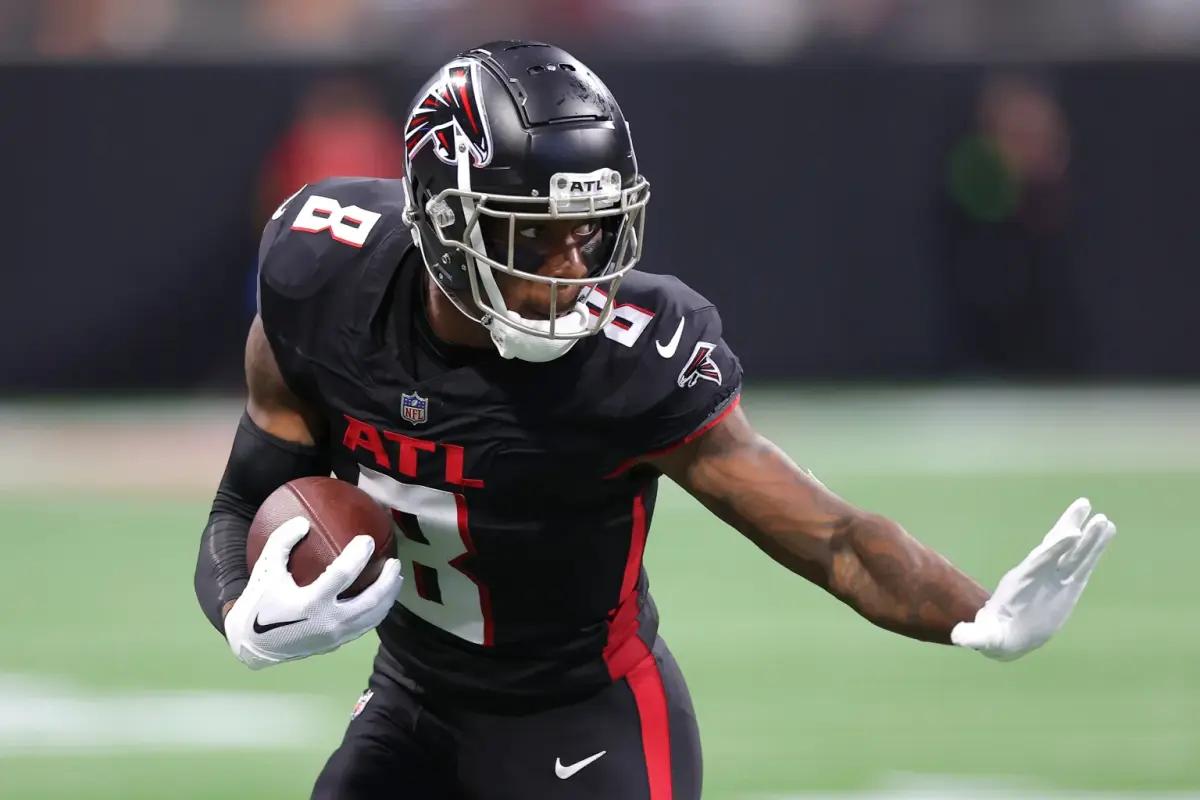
(504,137)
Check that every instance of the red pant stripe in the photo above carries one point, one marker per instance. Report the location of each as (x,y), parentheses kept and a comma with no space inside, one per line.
(651,699)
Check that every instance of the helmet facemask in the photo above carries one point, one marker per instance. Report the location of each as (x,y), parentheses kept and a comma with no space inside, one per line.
(457,218)
(470,197)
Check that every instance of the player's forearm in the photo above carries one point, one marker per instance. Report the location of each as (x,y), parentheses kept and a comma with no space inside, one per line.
(259,462)
(866,560)
(221,570)
(896,582)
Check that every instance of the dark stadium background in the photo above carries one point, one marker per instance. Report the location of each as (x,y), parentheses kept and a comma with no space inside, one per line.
(810,197)
(954,243)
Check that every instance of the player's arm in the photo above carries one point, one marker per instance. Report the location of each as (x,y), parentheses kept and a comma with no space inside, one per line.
(275,443)
(870,562)
(265,616)
(864,559)
(274,408)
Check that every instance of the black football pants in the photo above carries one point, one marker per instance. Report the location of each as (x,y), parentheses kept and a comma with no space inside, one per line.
(635,740)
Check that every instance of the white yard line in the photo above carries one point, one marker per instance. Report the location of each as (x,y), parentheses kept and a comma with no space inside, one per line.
(53,718)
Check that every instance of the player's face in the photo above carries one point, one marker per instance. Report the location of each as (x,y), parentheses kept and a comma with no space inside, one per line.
(556,249)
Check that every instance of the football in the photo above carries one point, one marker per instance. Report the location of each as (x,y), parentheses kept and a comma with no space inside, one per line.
(337,512)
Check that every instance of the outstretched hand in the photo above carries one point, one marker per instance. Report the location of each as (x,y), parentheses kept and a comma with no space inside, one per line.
(1035,598)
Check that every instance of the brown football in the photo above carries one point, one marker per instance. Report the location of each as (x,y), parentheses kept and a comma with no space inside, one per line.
(337,512)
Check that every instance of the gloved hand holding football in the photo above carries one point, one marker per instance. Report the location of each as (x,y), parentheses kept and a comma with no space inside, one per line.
(323,573)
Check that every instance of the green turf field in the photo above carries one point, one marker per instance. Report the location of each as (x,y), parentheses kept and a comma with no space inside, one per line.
(111,681)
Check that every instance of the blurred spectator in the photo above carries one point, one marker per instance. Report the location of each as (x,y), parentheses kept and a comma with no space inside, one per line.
(94,28)
(858,20)
(1158,25)
(66,28)
(750,30)
(1007,182)
(341,128)
(1016,162)
(312,26)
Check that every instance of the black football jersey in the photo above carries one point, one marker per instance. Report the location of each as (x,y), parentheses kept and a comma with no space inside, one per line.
(521,518)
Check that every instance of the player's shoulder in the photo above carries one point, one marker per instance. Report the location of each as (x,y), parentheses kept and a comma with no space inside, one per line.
(661,295)
(663,336)
(662,367)
(324,229)
(652,317)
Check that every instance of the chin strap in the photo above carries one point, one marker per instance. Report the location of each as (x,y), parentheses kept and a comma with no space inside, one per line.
(515,343)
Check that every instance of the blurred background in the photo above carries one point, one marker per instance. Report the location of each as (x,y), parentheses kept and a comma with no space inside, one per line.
(953,242)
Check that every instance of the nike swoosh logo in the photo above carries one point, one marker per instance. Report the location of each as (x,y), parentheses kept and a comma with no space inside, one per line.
(566,772)
(667,350)
(264,628)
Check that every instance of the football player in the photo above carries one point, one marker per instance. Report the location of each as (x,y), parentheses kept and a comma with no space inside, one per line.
(470,346)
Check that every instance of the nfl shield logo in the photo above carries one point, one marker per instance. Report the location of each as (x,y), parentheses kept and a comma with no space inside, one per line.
(414,408)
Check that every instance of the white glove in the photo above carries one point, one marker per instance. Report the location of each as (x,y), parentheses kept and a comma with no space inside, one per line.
(1035,598)
(275,620)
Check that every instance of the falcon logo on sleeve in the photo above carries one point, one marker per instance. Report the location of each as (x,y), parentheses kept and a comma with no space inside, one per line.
(700,366)
(453,102)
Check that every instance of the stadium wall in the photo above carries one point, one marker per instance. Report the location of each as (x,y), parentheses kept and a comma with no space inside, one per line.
(808,200)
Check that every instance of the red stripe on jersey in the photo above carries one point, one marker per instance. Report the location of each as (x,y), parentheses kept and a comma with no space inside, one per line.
(627,656)
(650,696)
(637,546)
(691,437)
(624,649)
(485,596)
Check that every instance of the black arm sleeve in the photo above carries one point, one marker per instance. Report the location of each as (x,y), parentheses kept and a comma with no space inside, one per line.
(258,465)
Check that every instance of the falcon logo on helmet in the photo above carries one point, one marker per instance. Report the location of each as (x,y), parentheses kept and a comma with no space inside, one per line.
(452,102)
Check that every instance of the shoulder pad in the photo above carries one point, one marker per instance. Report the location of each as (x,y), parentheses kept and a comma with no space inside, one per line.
(650,319)
(324,229)
(666,364)
(314,253)
(646,305)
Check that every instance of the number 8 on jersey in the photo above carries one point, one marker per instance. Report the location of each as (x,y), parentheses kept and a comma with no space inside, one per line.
(433,543)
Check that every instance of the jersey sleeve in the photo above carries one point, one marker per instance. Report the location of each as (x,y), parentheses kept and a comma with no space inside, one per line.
(694,388)
(311,250)
(292,269)
(310,239)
